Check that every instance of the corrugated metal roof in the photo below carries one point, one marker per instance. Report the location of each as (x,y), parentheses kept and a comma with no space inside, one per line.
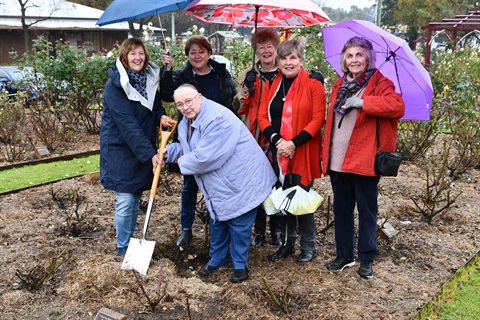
(56,14)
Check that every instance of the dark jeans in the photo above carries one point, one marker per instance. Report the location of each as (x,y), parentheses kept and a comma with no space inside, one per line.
(189,201)
(350,189)
(231,235)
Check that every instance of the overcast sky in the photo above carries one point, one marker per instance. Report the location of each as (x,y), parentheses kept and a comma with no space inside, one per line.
(346,4)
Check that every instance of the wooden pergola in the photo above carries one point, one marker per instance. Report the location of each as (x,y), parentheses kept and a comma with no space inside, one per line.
(460,23)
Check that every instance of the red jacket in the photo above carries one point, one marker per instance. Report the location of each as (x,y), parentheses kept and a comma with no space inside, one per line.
(309,105)
(250,105)
(379,100)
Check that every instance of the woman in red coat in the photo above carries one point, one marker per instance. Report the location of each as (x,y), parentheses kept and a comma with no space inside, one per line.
(292,113)
(358,99)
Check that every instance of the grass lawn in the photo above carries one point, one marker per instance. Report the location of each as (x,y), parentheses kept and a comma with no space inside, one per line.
(458,298)
(39,174)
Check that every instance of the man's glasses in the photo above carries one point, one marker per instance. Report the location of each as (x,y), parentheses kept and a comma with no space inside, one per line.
(186,103)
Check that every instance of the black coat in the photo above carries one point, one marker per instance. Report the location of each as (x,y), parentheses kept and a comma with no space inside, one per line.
(128,139)
(172,80)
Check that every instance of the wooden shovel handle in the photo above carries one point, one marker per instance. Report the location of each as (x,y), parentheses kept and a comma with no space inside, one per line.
(164,135)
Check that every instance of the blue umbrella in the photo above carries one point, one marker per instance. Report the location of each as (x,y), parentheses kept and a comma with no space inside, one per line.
(128,10)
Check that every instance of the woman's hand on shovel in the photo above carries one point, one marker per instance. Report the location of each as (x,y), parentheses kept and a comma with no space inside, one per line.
(155,162)
(166,121)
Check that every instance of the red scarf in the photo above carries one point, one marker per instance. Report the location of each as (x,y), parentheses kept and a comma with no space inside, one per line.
(286,129)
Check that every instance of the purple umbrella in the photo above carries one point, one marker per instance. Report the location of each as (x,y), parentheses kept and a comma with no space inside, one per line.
(395,60)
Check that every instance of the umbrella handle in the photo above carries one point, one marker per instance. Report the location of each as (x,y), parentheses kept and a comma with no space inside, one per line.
(257,7)
(166,65)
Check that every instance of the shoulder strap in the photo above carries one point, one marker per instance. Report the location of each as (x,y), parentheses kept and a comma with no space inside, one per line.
(378,133)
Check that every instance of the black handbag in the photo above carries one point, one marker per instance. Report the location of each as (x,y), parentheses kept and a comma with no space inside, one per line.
(386,163)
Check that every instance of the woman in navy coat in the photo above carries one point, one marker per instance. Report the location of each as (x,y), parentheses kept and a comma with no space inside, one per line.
(132,111)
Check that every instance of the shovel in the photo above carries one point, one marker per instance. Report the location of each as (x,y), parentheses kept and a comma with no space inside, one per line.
(140,251)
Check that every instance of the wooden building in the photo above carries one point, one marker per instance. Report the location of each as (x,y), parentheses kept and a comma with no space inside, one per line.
(55,19)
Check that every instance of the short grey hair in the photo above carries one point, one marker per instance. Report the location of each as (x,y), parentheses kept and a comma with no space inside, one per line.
(185,87)
(287,47)
(362,43)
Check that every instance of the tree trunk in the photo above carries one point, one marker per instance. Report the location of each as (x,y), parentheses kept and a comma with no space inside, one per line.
(26,32)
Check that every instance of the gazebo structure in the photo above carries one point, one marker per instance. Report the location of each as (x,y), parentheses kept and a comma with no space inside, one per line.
(464,23)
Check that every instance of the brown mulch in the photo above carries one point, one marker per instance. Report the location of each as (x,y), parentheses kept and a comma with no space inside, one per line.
(410,269)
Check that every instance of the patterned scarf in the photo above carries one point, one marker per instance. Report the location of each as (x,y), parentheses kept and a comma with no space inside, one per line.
(138,81)
(349,88)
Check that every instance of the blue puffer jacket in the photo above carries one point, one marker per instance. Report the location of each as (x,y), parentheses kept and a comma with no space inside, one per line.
(230,168)
(128,136)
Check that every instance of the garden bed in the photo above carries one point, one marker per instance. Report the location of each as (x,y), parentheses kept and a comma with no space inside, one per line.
(75,216)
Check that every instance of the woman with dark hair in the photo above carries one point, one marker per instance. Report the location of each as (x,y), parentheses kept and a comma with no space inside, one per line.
(360,100)
(132,111)
(292,114)
(214,82)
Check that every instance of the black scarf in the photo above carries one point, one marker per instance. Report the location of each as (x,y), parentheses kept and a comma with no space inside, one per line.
(268,76)
(138,81)
(349,88)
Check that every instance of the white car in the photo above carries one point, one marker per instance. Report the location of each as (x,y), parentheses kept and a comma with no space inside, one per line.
(221,59)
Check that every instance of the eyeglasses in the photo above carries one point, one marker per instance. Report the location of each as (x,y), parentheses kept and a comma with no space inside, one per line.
(186,103)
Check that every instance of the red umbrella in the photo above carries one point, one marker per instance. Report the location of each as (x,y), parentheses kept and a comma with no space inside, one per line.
(258,13)
(261,13)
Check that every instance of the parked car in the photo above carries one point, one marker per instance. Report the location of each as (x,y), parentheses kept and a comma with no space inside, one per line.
(14,79)
(222,59)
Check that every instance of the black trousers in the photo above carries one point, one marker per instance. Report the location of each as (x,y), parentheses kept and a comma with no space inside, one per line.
(305,223)
(349,190)
(275,222)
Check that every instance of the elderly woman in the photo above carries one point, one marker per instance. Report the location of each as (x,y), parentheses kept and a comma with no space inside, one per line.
(214,81)
(359,98)
(292,113)
(247,100)
(132,111)
(231,170)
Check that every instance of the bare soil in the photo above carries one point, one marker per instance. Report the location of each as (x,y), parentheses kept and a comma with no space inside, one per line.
(68,227)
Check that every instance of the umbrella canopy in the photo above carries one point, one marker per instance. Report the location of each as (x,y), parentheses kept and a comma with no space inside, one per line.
(395,60)
(127,10)
(294,200)
(258,13)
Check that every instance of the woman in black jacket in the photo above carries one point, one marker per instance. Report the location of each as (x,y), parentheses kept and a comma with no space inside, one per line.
(214,82)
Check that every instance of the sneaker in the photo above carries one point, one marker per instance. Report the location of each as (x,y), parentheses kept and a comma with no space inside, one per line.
(257,240)
(340,263)
(366,269)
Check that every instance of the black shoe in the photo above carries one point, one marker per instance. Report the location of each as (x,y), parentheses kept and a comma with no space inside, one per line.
(366,269)
(340,263)
(258,240)
(306,255)
(239,275)
(284,251)
(277,238)
(208,270)
(121,251)
(184,238)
